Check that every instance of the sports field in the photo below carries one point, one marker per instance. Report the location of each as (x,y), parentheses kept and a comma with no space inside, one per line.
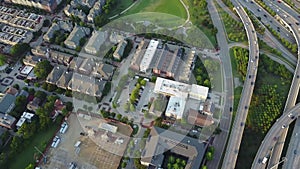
(173,7)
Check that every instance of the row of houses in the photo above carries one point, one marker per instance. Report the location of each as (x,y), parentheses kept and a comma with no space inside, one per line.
(65,26)
(11,35)
(21,19)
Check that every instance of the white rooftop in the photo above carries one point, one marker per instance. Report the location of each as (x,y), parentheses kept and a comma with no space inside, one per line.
(147,58)
(24,117)
(26,70)
(175,107)
(171,88)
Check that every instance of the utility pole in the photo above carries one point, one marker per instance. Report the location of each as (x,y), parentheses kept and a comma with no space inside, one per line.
(282,160)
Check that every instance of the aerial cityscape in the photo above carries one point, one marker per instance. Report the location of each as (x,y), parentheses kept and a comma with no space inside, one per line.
(149,84)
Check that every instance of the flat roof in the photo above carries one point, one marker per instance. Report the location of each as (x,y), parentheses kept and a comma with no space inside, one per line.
(199,90)
(146,61)
(108,127)
(176,106)
(26,70)
(171,88)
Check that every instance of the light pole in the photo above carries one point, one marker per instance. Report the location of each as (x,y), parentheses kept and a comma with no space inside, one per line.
(282,160)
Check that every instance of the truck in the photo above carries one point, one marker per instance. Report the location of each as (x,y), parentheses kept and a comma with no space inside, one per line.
(265,159)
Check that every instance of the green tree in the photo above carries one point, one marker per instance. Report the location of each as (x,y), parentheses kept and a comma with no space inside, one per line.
(42,69)
(2,60)
(19,49)
(30,166)
(209,156)
(124,164)
(119,117)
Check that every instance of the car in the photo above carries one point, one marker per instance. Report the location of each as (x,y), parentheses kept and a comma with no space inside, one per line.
(246,107)
(249,76)
(258,9)
(297,23)
(298,76)
(283,126)
(16,74)
(265,15)
(252,83)
(230,109)
(135,141)
(242,124)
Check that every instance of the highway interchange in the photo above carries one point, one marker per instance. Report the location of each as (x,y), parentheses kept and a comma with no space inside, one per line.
(286,23)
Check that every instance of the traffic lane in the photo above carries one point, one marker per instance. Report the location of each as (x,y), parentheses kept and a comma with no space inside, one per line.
(275,132)
(284,7)
(267,19)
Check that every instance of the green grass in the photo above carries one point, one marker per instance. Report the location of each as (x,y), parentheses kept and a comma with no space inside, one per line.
(173,7)
(122,5)
(26,156)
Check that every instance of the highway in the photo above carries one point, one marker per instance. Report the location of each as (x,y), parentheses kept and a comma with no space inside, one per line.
(290,22)
(237,130)
(271,139)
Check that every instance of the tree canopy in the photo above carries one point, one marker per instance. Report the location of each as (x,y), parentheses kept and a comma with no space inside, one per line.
(19,49)
(42,69)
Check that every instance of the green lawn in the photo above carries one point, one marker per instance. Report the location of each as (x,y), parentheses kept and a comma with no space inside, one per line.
(22,159)
(173,7)
(122,5)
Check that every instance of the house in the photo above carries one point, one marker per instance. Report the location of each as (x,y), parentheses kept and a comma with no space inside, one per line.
(60,57)
(11,90)
(58,107)
(86,84)
(208,107)
(138,55)
(161,143)
(40,51)
(7,103)
(60,25)
(74,38)
(185,74)
(96,10)
(46,5)
(64,79)
(75,63)
(70,10)
(118,54)
(55,74)
(104,71)
(87,66)
(7,121)
(148,56)
(31,60)
(26,117)
(94,43)
(34,104)
(199,119)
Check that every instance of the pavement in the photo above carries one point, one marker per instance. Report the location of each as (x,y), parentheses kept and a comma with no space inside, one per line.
(236,134)
(219,142)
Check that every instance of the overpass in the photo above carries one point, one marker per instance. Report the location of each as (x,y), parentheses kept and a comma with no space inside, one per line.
(290,23)
(242,111)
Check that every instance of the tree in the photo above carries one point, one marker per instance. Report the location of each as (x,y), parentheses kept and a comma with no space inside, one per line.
(204,167)
(42,69)
(209,156)
(30,166)
(132,108)
(113,115)
(16,86)
(15,144)
(40,94)
(100,20)
(106,89)
(124,164)
(119,117)
(2,60)
(69,106)
(105,114)
(19,49)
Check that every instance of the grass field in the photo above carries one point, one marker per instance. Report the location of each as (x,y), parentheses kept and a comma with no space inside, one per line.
(173,7)
(122,5)
(26,156)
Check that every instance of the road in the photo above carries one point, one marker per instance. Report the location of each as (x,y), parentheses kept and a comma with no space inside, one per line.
(271,139)
(236,135)
(290,22)
(225,122)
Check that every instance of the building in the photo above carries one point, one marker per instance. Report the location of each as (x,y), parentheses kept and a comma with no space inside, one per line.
(76,63)
(70,10)
(34,104)
(47,5)
(118,54)
(185,74)
(197,118)
(138,55)
(104,71)
(60,57)
(60,25)
(208,107)
(87,66)
(198,92)
(26,117)
(64,80)
(26,70)
(178,89)
(161,141)
(55,74)
(86,84)
(7,121)
(95,11)
(11,90)
(108,127)
(40,51)
(167,62)
(148,56)
(77,33)
(175,107)
(31,60)
(7,103)
(94,43)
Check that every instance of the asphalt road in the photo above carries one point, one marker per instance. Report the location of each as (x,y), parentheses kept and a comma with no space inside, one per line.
(235,138)
(271,139)
(219,141)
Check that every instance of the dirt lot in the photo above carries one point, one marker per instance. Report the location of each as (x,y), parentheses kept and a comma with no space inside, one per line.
(93,153)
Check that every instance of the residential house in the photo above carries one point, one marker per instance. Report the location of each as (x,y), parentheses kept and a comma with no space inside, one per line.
(75,63)
(104,71)
(55,74)
(74,38)
(118,54)
(11,90)
(64,80)
(31,60)
(94,43)
(34,104)
(87,66)
(7,103)
(7,121)
(26,117)
(60,57)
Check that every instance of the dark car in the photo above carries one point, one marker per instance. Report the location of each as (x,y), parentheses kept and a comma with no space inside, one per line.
(230,109)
